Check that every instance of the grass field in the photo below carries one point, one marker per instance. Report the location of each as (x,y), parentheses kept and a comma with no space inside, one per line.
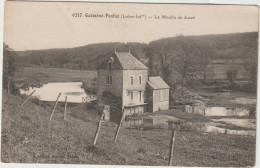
(39,75)
(28,137)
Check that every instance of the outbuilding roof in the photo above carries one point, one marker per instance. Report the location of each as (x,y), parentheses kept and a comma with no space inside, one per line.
(128,61)
(157,82)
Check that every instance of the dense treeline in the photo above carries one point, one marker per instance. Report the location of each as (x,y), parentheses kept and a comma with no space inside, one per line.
(85,57)
(179,60)
(183,60)
(190,55)
(238,45)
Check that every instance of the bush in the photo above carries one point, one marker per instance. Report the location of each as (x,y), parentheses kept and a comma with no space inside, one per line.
(93,104)
(115,104)
(13,89)
(90,88)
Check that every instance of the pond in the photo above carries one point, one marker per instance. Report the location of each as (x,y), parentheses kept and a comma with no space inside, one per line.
(50,91)
(217,111)
(167,122)
(152,121)
(241,122)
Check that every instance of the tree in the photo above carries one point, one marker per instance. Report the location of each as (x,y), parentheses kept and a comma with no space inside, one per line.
(187,62)
(42,62)
(9,65)
(161,57)
(206,51)
(250,62)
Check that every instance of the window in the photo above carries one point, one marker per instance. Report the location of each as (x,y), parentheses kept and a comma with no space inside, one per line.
(132,95)
(140,96)
(109,65)
(132,80)
(109,80)
(140,80)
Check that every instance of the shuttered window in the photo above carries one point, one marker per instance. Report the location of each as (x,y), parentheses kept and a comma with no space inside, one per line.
(109,80)
(132,80)
(132,95)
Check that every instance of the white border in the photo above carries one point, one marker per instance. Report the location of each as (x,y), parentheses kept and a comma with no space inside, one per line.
(240,2)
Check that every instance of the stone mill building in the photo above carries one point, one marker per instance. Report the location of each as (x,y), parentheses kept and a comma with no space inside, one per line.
(126,77)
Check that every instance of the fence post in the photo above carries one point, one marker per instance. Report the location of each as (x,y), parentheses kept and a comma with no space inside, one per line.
(171,148)
(65,110)
(98,128)
(27,98)
(119,126)
(55,106)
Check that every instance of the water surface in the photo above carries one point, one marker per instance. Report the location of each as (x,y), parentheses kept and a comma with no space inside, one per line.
(216,111)
(50,91)
(170,122)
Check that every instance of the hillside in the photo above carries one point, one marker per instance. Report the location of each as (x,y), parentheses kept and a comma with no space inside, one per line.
(235,45)
(84,57)
(28,137)
(203,51)
(188,58)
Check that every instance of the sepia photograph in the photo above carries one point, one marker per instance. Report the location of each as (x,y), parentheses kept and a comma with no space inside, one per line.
(143,84)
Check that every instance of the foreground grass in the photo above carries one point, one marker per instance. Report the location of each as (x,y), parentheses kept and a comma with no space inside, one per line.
(28,137)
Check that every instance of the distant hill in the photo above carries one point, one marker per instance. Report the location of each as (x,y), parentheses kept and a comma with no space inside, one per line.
(243,46)
(235,45)
(84,57)
(238,53)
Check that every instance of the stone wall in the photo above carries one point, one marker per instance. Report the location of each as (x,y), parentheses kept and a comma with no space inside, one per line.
(136,87)
(157,106)
(117,82)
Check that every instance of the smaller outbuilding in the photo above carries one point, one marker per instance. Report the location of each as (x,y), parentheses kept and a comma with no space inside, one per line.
(157,94)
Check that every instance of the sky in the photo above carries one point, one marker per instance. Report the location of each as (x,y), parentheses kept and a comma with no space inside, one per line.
(44,25)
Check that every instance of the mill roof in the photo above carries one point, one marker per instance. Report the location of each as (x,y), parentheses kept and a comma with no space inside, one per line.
(128,61)
(157,83)
(122,60)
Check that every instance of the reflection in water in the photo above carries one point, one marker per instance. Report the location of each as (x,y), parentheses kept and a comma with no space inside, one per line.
(73,93)
(154,121)
(216,111)
(247,123)
(169,122)
(50,91)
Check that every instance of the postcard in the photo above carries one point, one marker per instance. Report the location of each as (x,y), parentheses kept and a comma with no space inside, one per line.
(145,84)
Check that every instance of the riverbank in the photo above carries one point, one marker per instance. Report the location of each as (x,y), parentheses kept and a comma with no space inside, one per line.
(218,96)
(28,137)
(245,125)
